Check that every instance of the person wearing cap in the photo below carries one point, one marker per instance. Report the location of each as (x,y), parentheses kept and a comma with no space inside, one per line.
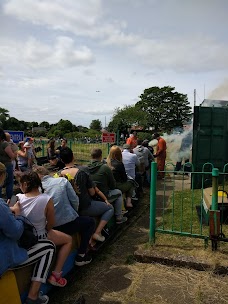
(149,158)
(30,151)
(160,154)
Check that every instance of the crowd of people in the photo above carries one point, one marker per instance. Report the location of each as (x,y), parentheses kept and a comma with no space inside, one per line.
(67,202)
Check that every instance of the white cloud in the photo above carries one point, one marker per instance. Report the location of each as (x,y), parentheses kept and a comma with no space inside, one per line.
(36,54)
(87,19)
(48,50)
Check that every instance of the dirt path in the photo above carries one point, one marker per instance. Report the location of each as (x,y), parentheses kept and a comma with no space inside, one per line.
(114,276)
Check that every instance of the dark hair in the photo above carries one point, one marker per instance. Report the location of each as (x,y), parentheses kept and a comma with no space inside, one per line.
(32,179)
(64,139)
(2,134)
(156,135)
(96,153)
(66,155)
(145,143)
(139,141)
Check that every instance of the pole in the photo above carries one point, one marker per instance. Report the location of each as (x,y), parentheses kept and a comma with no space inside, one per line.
(215,174)
(153,188)
(214,215)
(194,97)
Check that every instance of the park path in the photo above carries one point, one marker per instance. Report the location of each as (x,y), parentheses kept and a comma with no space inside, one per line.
(114,277)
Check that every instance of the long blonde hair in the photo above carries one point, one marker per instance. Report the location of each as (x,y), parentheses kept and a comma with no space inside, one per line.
(114,154)
(2,173)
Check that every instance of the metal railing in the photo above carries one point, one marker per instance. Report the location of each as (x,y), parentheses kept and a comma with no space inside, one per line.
(81,150)
(187,211)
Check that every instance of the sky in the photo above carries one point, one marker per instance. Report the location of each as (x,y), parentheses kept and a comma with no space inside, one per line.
(81,59)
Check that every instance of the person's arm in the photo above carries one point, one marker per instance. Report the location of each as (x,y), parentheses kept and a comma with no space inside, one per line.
(50,215)
(150,156)
(23,153)
(72,196)
(91,191)
(122,171)
(101,195)
(9,225)
(111,179)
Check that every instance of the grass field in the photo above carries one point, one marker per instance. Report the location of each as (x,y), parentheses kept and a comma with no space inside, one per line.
(81,151)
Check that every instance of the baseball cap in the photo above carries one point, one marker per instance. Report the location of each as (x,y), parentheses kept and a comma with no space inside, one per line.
(27,145)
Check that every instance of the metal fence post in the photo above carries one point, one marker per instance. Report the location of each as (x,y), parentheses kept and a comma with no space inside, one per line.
(118,138)
(153,188)
(214,219)
(215,175)
(42,144)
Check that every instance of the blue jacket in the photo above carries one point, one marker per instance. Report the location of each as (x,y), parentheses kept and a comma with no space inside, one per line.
(64,197)
(11,230)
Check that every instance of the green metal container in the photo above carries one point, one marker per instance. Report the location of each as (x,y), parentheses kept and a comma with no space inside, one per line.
(210,141)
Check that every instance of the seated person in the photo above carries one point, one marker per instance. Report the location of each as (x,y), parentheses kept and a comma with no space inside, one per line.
(13,256)
(84,188)
(102,175)
(114,161)
(39,209)
(66,204)
(62,146)
(55,163)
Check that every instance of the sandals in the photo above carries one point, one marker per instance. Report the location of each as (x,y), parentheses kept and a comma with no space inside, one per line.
(98,237)
(60,282)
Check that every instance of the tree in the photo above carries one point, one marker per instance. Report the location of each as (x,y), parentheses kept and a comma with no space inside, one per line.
(65,126)
(164,108)
(45,125)
(124,118)
(4,115)
(96,125)
(13,124)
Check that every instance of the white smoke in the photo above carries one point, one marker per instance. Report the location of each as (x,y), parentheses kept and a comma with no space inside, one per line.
(221,92)
(173,142)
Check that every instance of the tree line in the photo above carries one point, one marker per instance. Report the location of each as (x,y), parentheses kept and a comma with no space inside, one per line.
(159,109)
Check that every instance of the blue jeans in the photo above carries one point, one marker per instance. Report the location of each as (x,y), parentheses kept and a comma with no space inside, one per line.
(117,203)
(8,181)
(97,208)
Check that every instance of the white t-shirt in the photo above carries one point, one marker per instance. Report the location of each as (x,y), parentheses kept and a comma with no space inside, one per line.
(33,208)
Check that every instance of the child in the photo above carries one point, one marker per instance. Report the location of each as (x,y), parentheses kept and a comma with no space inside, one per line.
(39,209)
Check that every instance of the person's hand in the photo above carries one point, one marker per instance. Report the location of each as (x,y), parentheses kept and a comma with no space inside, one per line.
(16,209)
(107,202)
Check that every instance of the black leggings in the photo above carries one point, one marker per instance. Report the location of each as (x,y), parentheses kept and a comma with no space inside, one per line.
(84,225)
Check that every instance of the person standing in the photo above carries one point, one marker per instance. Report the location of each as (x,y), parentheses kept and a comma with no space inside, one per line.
(132,140)
(6,157)
(160,155)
